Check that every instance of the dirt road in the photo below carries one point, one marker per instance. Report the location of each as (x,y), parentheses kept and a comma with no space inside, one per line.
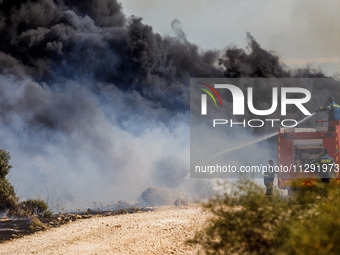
(158,232)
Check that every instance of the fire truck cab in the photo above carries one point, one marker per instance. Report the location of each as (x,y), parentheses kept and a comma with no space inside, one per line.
(299,150)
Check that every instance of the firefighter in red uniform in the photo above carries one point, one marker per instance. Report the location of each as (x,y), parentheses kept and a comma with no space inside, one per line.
(268,178)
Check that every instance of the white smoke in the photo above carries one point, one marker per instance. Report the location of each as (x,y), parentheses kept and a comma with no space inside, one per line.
(98,153)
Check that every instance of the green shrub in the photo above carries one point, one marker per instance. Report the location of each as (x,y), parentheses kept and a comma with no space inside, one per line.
(246,221)
(47,214)
(8,200)
(4,163)
(34,206)
(316,230)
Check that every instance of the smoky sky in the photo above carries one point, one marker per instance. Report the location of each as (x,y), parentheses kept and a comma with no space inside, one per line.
(300,32)
(94,104)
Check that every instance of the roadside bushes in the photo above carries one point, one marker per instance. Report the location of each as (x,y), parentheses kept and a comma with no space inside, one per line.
(5,167)
(246,221)
(34,206)
(8,200)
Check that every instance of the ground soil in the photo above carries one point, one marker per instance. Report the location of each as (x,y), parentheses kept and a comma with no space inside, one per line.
(162,231)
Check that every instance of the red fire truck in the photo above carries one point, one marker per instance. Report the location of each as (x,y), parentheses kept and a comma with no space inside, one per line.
(299,150)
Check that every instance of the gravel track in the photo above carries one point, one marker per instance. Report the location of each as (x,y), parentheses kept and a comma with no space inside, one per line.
(162,231)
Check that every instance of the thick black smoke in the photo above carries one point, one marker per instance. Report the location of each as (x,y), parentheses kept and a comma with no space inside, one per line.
(56,40)
(92,100)
(259,63)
